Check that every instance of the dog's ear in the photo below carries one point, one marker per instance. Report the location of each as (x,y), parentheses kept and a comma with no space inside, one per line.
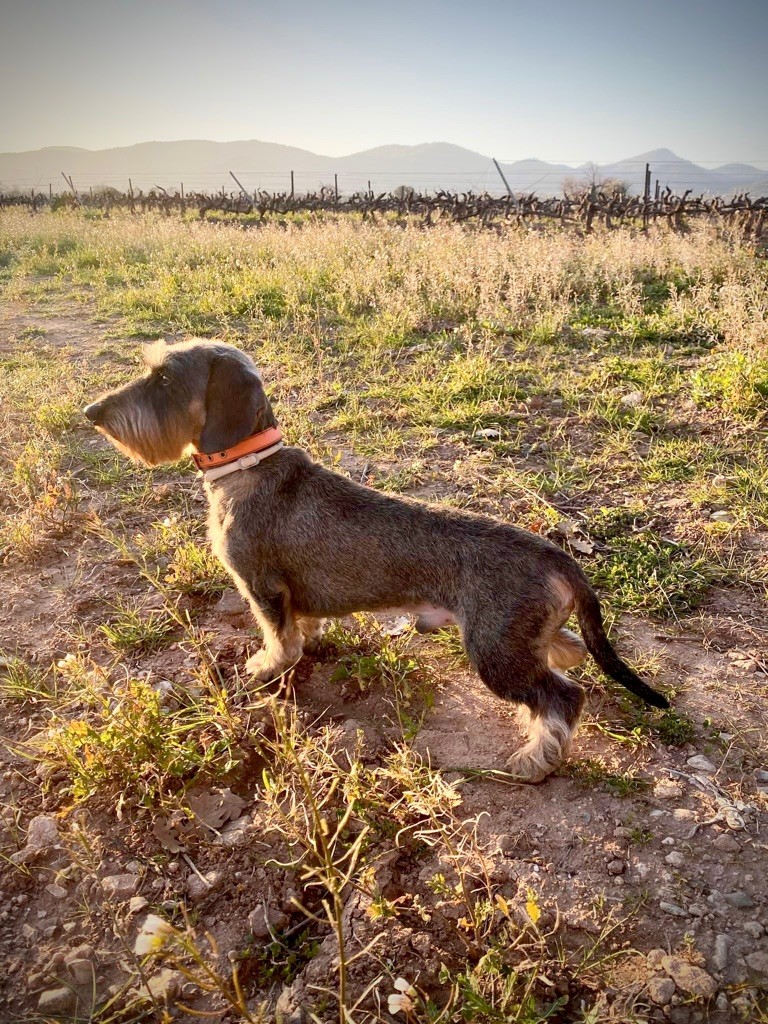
(235,405)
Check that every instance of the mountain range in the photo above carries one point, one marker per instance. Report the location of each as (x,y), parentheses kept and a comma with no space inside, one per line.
(204,165)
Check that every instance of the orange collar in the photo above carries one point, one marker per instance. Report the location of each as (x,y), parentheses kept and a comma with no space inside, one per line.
(252,445)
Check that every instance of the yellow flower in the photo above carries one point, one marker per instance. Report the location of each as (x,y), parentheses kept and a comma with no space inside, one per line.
(154,934)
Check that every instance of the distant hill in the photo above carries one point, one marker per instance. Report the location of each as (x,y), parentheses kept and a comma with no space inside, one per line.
(206,165)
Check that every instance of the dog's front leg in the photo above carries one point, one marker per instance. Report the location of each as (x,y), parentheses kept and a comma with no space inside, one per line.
(283,639)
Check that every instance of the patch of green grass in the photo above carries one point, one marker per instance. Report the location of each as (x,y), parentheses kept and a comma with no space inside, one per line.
(591,773)
(736,381)
(131,630)
(20,680)
(645,571)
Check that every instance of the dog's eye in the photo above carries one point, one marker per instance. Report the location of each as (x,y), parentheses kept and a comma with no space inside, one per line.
(163,379)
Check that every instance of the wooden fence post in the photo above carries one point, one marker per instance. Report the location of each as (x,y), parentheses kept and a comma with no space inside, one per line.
(336,186)
(292,190)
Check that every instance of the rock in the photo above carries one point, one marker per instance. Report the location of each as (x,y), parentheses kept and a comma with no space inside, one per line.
(722,517)
(137,904)
(668,841)
(198,888)
(661,990)
(616,867)
(722,1003)
(163,987)
(120,887)
(43,834)
(753,928)
(632,400)
(231,605)
(739,899)
(691,980)
(720,958)
(667,789)
(57,891)
(82,971)
(696,910)
(726,844)
(676,859)
(673,910)
(235,833)
(257,921)
(758,962)
(701,763)
(57,1000)
(654,957)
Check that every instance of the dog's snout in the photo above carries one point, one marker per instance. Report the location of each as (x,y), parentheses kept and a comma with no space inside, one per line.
(92,411)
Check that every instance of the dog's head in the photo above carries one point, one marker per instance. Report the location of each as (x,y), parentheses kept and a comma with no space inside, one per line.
(194,395)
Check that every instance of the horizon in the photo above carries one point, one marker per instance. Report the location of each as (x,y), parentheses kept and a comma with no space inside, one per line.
(344,79)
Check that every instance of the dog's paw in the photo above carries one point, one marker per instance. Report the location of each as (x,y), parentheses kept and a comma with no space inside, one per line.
(528,767)
(263,668)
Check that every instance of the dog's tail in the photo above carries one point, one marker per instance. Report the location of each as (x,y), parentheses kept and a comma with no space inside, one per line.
(599,646)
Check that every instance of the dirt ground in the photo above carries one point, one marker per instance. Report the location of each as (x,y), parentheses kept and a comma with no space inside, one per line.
(676,866)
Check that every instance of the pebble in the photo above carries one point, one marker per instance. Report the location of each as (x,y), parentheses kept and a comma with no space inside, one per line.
(669,841)
(57,891)
(661,990)
(136,904)
(726,844)
(701,763)
(163,987)
(616,867)
(676,859)
(57,1000)
(257,921)
(673,909)
(632,400)
(758,962)
(667,789)
(198,888)
(739,899)
(753,928)
(721,517)
(120,887)
(654,957)
(720,957)
(689,979)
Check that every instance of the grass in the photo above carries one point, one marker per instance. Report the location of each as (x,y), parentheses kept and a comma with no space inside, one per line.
(618,381)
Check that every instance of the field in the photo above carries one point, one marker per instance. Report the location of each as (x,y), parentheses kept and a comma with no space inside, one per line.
(353,849)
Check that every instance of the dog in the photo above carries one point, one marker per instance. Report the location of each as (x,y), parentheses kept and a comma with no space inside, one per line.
(303,544)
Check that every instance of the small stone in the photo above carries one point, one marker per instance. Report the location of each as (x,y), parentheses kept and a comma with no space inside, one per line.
(661,990)
(57,1000)
(137,904)
(257,921)
(120,887)
(632,400)
(82,971)
(35,980)
(616,867)
(690,979)
(753,928)
(726,844)
(231,605)
(163,987)
(673,910)
(667,789)
(198,888)
(758,962)
(696,910)
(720,957)
(654,958)
(669,841)
(676,859)
(721,517)
(740,900)
(701,763)
(722,1002)
(57,891)
(235,833)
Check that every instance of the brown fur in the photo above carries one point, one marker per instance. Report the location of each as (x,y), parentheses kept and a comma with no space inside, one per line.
(303,543)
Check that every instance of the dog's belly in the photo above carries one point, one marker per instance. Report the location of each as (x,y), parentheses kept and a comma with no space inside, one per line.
(428,616)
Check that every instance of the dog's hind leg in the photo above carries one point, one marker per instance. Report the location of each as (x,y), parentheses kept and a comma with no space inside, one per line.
(566,650)
(508,661)
(312,632)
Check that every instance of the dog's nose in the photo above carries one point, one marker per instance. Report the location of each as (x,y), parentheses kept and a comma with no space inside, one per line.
(91,411)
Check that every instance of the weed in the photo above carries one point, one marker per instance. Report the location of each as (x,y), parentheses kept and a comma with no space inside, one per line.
(130,630)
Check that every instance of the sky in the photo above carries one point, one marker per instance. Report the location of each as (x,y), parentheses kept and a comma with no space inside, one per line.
(561,80)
